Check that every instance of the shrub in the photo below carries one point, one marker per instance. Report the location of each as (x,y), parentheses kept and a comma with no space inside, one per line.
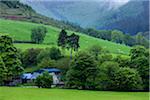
(82,73)
(38,34)
(46,62)
(44,81)
(55,53)
(29,57)
(127,79)
(106,75)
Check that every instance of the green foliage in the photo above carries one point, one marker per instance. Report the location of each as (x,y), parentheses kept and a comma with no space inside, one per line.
(122,61)
(44,81)
(69,42)
(29,57)
(62,39)
(126,79)
(10,59)
(140,61)
(63,63)
(38,34)
(55,53)
(106,75)
(44,53)
(117,36)
(138,51)
(3,72)
(46,63)
(104,57)
(82,73)
(73,42)
(95,50)
(141,40)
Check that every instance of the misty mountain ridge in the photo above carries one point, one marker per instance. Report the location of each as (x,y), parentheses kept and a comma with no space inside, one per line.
(128,16)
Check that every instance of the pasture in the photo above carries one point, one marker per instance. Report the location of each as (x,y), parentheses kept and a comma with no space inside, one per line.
(22,31)
(9,93)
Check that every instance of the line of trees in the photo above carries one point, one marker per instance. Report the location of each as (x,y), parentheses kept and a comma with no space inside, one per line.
(103,72)
(119,37)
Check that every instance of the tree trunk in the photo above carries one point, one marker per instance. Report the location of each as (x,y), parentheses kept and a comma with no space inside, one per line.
(71,55)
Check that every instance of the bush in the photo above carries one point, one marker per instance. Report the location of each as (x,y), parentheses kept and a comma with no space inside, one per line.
(127,79)
(55,53)
(43,54)
(44,81)
(46,62)
(106,75)
(83,72)
(29,57)
(38,34)
(52,53)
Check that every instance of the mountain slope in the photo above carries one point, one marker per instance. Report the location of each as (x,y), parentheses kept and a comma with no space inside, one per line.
(15,10)
(130,16)
(22,31)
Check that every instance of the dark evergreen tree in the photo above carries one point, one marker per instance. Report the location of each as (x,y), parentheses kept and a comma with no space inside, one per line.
(62,39)
(10,58)
(73,43)
(3,72)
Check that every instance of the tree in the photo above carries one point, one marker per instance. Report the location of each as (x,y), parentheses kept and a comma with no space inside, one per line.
(44,53)
(44,81)
(127,79)
(106,75)
(10,58)
(73,43)
(62,39)
(140,61)
(105,57)
(95,50)
(46,62)
(38,34)
(70,42)
(55,53)
(129,40)
(122,61)
(29,57)
(83,72)
(138,51)
(3,72)
(141,40)
(117,36)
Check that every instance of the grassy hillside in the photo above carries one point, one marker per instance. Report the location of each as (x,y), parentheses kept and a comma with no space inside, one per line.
(22,31)
(58,94)
(16,10)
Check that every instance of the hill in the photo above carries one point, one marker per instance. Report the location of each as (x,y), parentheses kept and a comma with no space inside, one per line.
(15,10)
(129,16)
(21,31)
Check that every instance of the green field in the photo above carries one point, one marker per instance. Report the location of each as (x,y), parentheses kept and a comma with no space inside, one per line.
(7,93)
(22,31)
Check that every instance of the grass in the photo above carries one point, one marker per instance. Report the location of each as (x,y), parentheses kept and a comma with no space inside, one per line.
(22,30)
(9,93)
